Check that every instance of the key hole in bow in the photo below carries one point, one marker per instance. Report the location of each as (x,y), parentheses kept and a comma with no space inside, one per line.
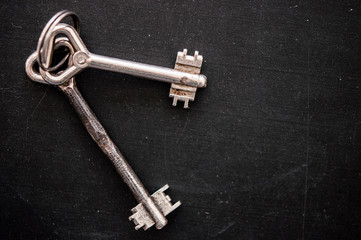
(60,60)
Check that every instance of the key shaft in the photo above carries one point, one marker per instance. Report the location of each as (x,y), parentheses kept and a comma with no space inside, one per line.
(101,137)
(144,70)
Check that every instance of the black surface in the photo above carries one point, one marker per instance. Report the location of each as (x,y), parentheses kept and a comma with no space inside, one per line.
(269,150)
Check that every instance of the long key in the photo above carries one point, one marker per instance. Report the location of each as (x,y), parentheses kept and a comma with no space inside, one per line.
(186,78)
(151,210)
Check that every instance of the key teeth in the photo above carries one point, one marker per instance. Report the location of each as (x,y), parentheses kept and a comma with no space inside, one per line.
(141,216)
(184,52)
(183,93)
(163,201)
(196,53)
(176,205)
(189,64)
(162,189)
(188,60)
(175,101)
(186,101)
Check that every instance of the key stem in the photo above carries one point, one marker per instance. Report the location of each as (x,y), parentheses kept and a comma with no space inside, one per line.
(146,70)
(100,136)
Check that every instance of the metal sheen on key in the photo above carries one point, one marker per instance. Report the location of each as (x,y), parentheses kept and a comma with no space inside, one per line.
(151,210)
(185,79)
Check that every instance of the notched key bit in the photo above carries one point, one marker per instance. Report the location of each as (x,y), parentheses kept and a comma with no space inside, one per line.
(189,64)
(141,216)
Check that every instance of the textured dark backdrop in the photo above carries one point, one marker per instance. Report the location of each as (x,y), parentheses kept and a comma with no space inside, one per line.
(269,150)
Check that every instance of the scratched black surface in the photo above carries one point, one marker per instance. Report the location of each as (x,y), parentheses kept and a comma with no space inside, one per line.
(269,150)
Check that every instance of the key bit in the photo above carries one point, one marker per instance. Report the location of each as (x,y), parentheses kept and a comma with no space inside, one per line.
(189,64)
(141,216)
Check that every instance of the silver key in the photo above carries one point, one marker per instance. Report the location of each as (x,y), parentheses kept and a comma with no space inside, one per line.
(185,78)
(151,210)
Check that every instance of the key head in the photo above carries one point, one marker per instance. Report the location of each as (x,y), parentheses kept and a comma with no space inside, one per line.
(34,74)
(80,58)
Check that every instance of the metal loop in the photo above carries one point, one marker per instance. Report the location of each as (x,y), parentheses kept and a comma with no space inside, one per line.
(29,65)
(45,36)
(62,29)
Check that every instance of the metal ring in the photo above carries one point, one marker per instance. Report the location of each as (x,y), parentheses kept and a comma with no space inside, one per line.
(29,65)
(45,34)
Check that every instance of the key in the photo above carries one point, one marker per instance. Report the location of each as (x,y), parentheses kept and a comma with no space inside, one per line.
(151,210)
(185,78)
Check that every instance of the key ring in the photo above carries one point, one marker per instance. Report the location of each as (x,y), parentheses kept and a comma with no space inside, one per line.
(32,59)
(80,52)
(42,51)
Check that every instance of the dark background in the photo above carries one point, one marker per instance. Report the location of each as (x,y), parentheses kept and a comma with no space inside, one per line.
(269,150)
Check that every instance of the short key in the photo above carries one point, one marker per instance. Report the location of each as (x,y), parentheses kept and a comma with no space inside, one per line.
(185,78)
(151,210)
